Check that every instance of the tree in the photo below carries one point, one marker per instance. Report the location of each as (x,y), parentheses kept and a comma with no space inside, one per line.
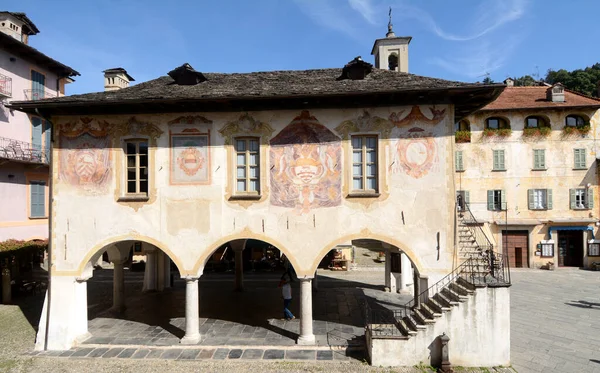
(526,80)
(583,81)
(488,80)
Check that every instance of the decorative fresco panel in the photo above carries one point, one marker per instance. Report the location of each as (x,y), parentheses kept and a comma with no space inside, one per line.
(85,161)
(190,161)
(416,151)
(306,162)
(365,123)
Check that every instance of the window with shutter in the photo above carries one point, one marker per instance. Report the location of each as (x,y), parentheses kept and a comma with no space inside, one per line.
(459,160)
(539,159)
(549,198)
(499,164)
(538,199)
(579,199)
(590,198)
(496,200)
(579,155)
(37,199)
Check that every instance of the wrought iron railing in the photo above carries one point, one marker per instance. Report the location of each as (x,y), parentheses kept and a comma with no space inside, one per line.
(382,321)
(38,94)
(5,86)
(23,151)
(485,258)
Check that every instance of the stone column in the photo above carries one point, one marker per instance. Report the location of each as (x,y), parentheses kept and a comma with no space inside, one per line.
(118,286)
(239,271)
(192,312)
(417,289)
(150,274)
(238,247)
(306,318)
(406,277)
(388,270)
(80,308)
(167,272)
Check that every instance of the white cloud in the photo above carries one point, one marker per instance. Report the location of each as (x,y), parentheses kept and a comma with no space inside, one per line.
(366,8)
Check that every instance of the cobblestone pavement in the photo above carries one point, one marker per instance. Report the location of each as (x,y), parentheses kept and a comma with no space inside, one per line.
(555,321)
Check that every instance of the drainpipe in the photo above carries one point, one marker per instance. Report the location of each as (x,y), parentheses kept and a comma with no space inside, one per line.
(50,200)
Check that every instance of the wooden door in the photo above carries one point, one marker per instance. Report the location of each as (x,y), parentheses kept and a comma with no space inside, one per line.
(515,244)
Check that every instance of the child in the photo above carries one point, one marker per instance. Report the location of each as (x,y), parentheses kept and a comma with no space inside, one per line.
(286,292)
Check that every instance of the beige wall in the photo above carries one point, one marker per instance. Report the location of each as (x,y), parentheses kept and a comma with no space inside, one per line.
(560,175)
(189,221)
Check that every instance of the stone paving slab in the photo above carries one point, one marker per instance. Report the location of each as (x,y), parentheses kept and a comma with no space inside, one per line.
(171,353)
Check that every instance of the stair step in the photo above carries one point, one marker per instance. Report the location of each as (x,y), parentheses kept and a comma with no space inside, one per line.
(458,289)
(436,308)
(444,302)
(404,329)
(430,311)
(422,317)
(411,324)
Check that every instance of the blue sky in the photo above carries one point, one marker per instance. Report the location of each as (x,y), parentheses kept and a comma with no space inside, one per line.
(457,40)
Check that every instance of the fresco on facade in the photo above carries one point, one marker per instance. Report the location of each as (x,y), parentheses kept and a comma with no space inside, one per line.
(415,152)
(85,161)
(306,166)
(189,159)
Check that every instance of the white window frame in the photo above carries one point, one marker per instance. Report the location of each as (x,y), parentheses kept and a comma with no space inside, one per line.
(363,164)
(247,167)
(138,168)
(580,198)
(540,199)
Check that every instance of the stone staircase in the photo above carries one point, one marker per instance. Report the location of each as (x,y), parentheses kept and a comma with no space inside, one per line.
(452,305)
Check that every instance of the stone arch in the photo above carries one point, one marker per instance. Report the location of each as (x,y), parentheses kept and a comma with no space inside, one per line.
(246,234)
(371,236)
(99,248)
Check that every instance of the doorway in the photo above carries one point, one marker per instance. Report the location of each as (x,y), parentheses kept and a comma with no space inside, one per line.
(516,244)
(570,249)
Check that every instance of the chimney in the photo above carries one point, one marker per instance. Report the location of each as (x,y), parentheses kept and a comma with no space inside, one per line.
(556,93)
(116,78)
(509,82)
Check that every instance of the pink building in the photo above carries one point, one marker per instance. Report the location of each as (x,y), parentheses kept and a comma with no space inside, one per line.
(25,74)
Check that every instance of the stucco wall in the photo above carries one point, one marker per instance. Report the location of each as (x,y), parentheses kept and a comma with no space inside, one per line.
(560,175)
(190,221)
(479,332)
(15,124)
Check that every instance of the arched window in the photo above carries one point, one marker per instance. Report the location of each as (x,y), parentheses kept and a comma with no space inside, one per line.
(574,121)
(496,123)
(462,125)
(535,122)
(393,61)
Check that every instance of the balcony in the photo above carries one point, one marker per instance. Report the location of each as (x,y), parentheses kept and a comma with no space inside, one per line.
(38,94)
(5,86)
(21,151)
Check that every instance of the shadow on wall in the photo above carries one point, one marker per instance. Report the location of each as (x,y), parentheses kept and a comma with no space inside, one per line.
(584,304)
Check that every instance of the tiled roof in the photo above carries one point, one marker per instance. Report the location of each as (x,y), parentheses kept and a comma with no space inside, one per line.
(535,97)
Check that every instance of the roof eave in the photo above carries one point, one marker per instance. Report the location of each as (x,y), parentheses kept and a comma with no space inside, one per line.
(466,100)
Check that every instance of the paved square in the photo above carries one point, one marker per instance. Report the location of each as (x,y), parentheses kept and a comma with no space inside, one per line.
(555,320)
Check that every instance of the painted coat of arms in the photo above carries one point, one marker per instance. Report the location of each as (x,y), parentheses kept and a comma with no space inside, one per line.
(189,159)
(306,159)
(85,161)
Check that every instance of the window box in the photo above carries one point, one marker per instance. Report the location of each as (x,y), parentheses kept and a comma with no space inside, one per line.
(501,132)
(462,137)
(537,132)
(583,130)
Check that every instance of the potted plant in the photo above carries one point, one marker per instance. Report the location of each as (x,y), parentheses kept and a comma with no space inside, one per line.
(462,137)
(488,132)
(504,132)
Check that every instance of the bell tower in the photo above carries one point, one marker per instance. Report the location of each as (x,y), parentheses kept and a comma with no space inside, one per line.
(391,52)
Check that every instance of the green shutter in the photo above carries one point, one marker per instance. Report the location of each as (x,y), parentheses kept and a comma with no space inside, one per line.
(459,160)
(467,198)
(490,198)
(579,155)
(549,199)
(36,133)
(499,160)
(542,158)
(572,198)
(530,198)
(37,199)
(48,139)
(539,159)
(502,200)
(590,198)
